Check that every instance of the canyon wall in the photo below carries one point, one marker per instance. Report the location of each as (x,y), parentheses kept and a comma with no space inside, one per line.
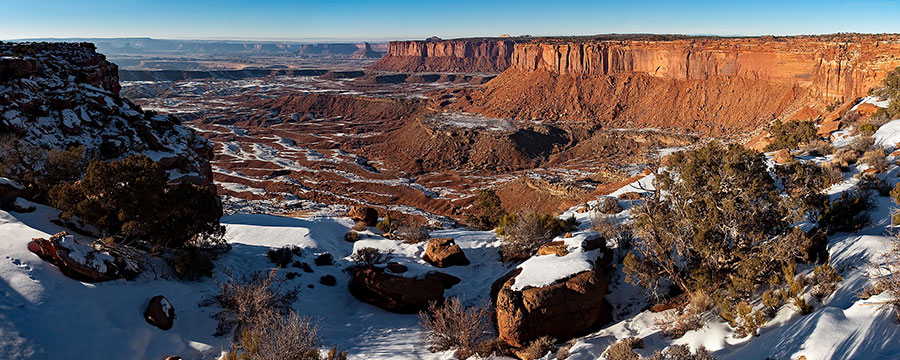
(461,56)
(833,69)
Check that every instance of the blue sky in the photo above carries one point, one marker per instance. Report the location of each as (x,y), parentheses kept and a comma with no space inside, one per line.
(380,20)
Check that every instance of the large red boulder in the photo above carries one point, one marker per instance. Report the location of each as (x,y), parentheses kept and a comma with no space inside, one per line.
(80,261)
(444,252)
(372,285)
(160,312)
(562,310)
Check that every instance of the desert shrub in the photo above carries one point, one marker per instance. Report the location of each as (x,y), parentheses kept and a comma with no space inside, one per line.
(273,336)
(862,143)
(40,169)
(885,277)
(610,229)
(412,233)
(849,118)
(845,157)
(849,213)
(387,225)
(564,351)
(129,200)
(609,205)
(539,347)
(788,135)
(742,317)
(487,210)
(523,237)
(452,325)
(825,280)
(192,263)
(878,122)
(282,256)
(351,236)
(876,159)
(785,289)
(718,229)
(803,182)
(831,172)
(867,128)
(676,323)
(890,90)
(870,182)
(242,301)
(624,349)
(682,352)
(819,147)
(370,256)
(679,321)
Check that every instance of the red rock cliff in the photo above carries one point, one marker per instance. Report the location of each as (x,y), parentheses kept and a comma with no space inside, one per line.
(464,56)
(832,68)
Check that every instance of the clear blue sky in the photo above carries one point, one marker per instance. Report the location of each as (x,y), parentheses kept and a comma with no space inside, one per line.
(379,19)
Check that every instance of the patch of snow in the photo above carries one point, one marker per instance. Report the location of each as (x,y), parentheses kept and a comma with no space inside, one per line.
(543,270)
(888,135)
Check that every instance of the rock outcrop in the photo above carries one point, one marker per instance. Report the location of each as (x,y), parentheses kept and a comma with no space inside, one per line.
(444,252)
(160,312)
(363,214)
(372,285)
(701,84)
(82,262)
(59,95)
(562,309)
(457,56)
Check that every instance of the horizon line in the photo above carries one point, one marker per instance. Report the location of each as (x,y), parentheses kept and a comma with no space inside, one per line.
(413,38)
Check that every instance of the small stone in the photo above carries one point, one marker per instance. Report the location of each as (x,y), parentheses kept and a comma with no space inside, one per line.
(328,280)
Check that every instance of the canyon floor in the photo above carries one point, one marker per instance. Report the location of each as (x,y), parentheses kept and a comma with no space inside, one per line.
(303,144)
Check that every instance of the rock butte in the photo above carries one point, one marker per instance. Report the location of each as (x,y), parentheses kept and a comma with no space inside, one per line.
(703,84)
(833,66)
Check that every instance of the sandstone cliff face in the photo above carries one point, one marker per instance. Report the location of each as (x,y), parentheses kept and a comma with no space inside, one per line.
(830,69)
(465,56)
(705,85)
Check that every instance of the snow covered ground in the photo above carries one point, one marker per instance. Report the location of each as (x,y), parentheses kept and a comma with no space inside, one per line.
(44,314)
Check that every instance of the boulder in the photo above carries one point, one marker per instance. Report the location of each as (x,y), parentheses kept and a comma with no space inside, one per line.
(760,142)
(372,285)
(396,268)
(556,247)
(328,280)
(363,214)
(444,252)
(866,109)
(9,192)
(82,262)
(160,312)
(561,310)
(782,156)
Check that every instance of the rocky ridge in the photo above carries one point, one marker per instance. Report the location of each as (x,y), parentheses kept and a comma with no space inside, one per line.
(461,56)
(59,95)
